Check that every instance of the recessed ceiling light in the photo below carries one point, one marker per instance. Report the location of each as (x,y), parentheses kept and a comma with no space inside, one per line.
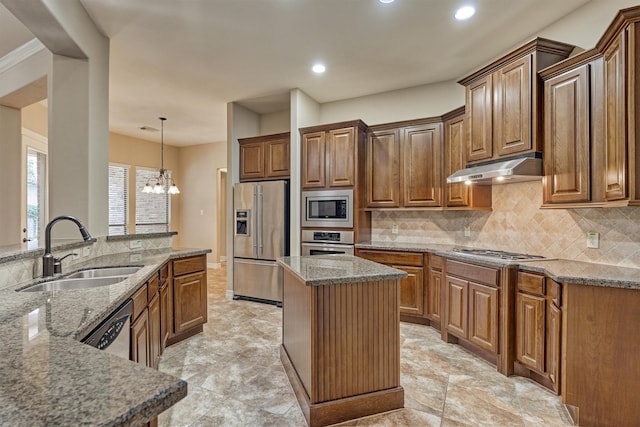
(386,1)
(319,68)
(465,12)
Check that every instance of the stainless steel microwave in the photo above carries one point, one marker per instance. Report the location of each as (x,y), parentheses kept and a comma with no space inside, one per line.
(327,208)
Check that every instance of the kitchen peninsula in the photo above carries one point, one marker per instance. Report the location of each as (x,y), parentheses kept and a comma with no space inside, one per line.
(341,336)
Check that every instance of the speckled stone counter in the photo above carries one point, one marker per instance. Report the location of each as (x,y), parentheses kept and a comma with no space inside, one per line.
(560,270)
(321,270)
(48,377)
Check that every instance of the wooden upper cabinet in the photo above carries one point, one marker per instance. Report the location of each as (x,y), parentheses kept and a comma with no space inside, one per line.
(313,160)
(459,195)
(615,112)
(383,169)
(330,154)
(265,157)
(340,146)
(404,165)
(422,171)
(567,141)
(512,126)
(502,105)
(251,161)
(479,106)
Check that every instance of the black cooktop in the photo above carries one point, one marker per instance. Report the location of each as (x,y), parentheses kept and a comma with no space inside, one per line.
(488,253)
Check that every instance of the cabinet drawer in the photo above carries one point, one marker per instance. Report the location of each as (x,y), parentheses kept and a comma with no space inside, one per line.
(437,262)
(152,287)
(399,258)
(139,300)
(532,283)
(189,265)
(474,273)
(554,292)
(164,274)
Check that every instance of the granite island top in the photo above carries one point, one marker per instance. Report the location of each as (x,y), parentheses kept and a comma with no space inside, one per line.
(318,270)
(48,377)
(560,270)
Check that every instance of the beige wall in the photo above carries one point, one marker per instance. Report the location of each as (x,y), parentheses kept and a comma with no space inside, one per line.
(34,118)
(518,224)
(138,152)
(275,122)
(198,180)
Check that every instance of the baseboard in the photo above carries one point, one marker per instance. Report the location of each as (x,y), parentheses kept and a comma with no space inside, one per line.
(229,294)
(213,265)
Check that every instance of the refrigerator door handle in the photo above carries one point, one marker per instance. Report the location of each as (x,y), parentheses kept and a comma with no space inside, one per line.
(260,218)
(256,229)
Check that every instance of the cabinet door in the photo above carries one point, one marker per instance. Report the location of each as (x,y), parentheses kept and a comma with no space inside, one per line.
(383,169)
(433,294)
(190,301)
(251,161)
(313,160)
(341,150)
(457,194)
(154,332)
(553,344)
(140,339)
(422,180)
(456,306)
(479,111)
(512,115)
(566,142)
(483,316)
(530,331)
(615,135)
(412,291)
(277,158)
(166,318)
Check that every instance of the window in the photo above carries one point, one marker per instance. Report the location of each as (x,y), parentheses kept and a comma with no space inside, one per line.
(118,199)
(152,210)
(36,191)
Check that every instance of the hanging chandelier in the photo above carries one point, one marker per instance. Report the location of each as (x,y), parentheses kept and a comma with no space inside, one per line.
(157,184)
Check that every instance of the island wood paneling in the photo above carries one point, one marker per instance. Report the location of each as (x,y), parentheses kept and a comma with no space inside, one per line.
(341,348)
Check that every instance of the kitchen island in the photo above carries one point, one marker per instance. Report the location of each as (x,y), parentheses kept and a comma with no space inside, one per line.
(341,336)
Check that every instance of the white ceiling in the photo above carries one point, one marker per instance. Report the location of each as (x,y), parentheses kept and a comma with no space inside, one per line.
(185,59)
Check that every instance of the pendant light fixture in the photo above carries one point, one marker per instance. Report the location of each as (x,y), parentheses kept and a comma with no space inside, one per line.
(158,183)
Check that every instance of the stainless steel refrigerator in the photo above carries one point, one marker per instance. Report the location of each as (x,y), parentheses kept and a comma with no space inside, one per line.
(261,221)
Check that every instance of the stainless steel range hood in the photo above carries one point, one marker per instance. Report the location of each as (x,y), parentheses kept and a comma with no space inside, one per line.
(501,172)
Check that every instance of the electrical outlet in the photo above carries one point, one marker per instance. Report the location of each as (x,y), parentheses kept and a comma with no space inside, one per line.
(135,244)
(394,229)
(593,240)
(467,231)
(135,258)
(86,251)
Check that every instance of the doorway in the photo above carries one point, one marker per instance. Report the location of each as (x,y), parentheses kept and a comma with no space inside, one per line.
(34,212)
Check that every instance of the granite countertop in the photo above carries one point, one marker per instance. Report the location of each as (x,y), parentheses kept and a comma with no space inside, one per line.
(560,270)
(49,378)
(318,270)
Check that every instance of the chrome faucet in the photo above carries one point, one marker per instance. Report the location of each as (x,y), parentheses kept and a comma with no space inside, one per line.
(49,263)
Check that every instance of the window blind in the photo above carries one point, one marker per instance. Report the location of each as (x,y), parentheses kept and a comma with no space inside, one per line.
(152,210)
(118,199)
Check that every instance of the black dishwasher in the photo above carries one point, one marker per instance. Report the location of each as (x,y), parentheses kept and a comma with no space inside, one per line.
(113,334)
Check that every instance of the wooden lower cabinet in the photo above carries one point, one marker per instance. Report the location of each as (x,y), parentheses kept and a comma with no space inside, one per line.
(538,328)
(166,315)
(155,339)
(412,288)
(140,339)
(434,285)
(472,309)
(189,297)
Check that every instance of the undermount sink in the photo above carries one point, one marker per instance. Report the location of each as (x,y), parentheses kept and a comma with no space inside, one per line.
(104,272)
(77,283)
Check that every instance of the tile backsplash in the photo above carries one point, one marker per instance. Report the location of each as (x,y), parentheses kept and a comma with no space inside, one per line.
(517,224)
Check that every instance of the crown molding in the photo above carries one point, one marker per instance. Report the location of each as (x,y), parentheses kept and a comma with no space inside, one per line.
(19,54)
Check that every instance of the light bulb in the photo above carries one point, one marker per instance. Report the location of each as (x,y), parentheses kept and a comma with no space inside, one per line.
(173,189)
(465,12)
(147,188)
(158,189)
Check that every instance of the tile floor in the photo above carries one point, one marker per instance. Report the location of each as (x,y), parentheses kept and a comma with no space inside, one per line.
(235,377)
